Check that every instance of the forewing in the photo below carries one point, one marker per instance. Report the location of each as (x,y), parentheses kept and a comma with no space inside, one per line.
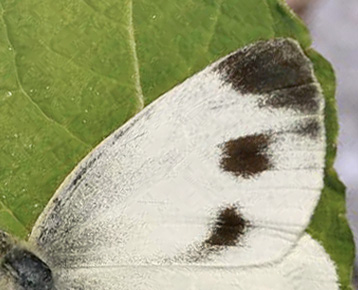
(224,170)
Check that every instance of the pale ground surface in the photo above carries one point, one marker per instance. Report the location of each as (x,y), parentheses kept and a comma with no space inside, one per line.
(333,25)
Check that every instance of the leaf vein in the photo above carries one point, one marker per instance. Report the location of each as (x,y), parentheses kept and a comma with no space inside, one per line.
(216,21)
(71,60)
(12,214)
(133,46)
(32,101)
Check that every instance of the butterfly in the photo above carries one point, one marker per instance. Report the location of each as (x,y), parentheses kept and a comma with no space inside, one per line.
(210,187)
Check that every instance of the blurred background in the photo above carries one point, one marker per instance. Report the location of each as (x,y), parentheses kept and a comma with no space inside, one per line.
(334,28)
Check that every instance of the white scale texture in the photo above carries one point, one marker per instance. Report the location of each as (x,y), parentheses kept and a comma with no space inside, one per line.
(306,267)
(129,214)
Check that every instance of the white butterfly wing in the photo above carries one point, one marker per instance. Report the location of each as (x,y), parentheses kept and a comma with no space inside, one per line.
(307,266)
(224,170)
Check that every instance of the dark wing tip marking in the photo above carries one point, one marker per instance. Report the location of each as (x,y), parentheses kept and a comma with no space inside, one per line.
(304,98)
(267,66)
(246,156)
(228,228)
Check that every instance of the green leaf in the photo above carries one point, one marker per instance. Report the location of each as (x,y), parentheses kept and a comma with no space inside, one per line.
(329,223)
(73,71)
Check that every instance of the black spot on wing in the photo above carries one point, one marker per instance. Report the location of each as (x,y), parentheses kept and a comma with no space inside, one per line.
(246,156)
(228,228)
(267,66)
(304,98)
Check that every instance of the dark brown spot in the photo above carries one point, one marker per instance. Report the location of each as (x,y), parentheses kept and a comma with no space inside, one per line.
(303,98)
(246,156)
(267,66)
(228,228)
(311,128)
